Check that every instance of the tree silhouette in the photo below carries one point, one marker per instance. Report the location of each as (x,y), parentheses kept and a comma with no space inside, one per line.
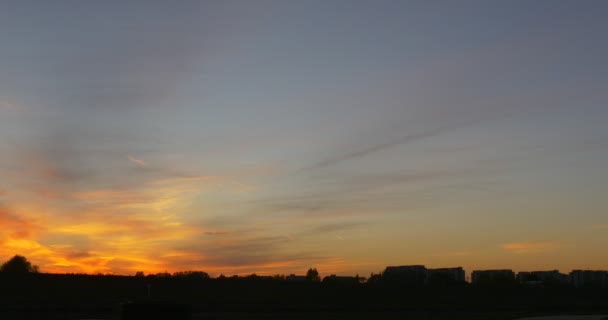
(313,275)
(192,275)
(18,264)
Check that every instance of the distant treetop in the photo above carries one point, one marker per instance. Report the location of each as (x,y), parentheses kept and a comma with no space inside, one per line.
(18,264)
(313,275)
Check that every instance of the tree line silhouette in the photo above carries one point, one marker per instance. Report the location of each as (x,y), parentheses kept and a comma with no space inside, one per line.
(409,277)
(24,287)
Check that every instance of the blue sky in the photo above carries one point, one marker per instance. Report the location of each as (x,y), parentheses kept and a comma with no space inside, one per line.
(272,136)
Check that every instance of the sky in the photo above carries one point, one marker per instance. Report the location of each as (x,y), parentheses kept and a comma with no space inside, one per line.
(269,137)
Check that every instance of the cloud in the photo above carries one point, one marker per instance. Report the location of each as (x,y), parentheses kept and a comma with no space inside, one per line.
(453,254)
(600,226)
(118,244)
(263,248)
(371,149)
(102,224)
(138,162)
(530,247)
(98,221)
(335,227)
(138,67)
(355,194)
(7,106)
(15,227)
(216,233)
(240,251)
(448,125)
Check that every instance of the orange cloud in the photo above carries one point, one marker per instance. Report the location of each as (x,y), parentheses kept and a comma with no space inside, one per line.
(15,226)
(530,247)
(126,229)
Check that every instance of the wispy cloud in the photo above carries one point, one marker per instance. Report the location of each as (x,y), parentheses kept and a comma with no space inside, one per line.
(138,162)
(530,247)
(104,227)
(603,226)
(245,251)
(371,149)
(216,233)
(133,73)
(336,227)
(15,227)
(453,254)
(451,125)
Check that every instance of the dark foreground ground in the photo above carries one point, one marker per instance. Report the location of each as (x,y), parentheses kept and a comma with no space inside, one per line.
(42,296)
(329,315)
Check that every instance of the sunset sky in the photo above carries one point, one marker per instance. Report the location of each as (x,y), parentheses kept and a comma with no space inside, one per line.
(261,136)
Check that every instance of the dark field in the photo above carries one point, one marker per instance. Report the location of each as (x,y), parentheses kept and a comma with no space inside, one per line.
(44,296)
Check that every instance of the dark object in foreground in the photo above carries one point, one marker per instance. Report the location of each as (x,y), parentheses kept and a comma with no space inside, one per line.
(154,310)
